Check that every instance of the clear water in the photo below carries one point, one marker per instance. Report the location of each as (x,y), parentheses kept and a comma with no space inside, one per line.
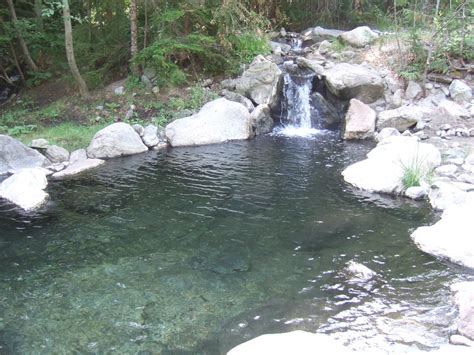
(296,92)
(195,250)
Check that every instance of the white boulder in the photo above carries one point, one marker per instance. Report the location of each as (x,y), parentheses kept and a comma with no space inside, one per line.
(400,118)
(118,139)
(26,188)
(56,154)
(218,121)
(387,163)
(460,91)
(451,237)
(360,36)
(464,299)
(150,136)
(78,167)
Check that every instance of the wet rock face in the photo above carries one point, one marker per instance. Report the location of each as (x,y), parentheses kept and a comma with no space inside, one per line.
(14,156)
(323,114)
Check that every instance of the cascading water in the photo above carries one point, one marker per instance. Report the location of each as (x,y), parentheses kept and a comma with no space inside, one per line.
(296,104)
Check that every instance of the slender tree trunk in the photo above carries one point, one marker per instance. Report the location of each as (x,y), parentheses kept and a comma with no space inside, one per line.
(23,45)
(134,34)
(145,29)
(39,14)
(70,50)
(17,63)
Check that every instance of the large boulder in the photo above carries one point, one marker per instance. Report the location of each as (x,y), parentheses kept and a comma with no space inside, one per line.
(297,342)
(118,139)
(464,299)
(26,188)
(359,37)
(450,238)
(261,82)
(359,122)
(15,156)
(387,164)
(460,91)
(400,118)
(218,121)
(312,65)
(348,81)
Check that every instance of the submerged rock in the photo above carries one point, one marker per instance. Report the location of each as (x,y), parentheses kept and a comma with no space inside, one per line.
(360,36)
(349,81)
(26,188)
(77,167)
(386,164)
(14,155)
(218,121)
(118,139)
(360,121)
(261,82)
(358,272)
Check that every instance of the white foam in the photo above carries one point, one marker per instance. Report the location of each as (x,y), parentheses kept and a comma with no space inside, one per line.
(293,131)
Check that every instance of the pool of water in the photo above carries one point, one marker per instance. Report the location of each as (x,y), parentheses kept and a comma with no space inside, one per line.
(195,250)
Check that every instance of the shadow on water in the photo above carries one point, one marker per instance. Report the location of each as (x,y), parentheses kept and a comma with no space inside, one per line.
(194,250)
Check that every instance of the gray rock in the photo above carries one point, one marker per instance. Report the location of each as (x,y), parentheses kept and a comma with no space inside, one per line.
(77,156)
(413,91)
(319,34)
(261,82)
(15,156)
(444,194)
(456,161)
(150,73)
(359,121)
(229,84)
(150,136)
(284,48)
(56,154)
(349,81)
(139,129)
(26,188)
(310,64)
(218,121)
(233,96)
(39,143)
(464,299)
(261,120)
(448,170)
(386,132)
(416,192)
(358,272)
(118,139)
(359,37)
(77,167)
(324,47)
(400,118)
(453,110)
(323,114)
(119,91)
(460,91)
(397,99)
(147,82)
(470,159)
(393,84)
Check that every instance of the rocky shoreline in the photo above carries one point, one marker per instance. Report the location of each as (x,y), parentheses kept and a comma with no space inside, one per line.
(424,137)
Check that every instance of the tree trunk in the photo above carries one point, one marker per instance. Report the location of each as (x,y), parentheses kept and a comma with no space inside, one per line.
(134,34)
(39,14)
(70,50)
(23,45)
(145,29)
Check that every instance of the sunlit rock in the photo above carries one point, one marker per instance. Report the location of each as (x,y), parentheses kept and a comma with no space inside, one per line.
(358,272)
(118,139)
(359,122)
(26,188)
(464,298)
(15,156)
(360,36)
(218,121)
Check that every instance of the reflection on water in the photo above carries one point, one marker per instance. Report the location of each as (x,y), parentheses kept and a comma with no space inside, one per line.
(196,250)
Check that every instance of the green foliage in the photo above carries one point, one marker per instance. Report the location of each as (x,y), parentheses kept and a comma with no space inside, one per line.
(36,78)
(412,176)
